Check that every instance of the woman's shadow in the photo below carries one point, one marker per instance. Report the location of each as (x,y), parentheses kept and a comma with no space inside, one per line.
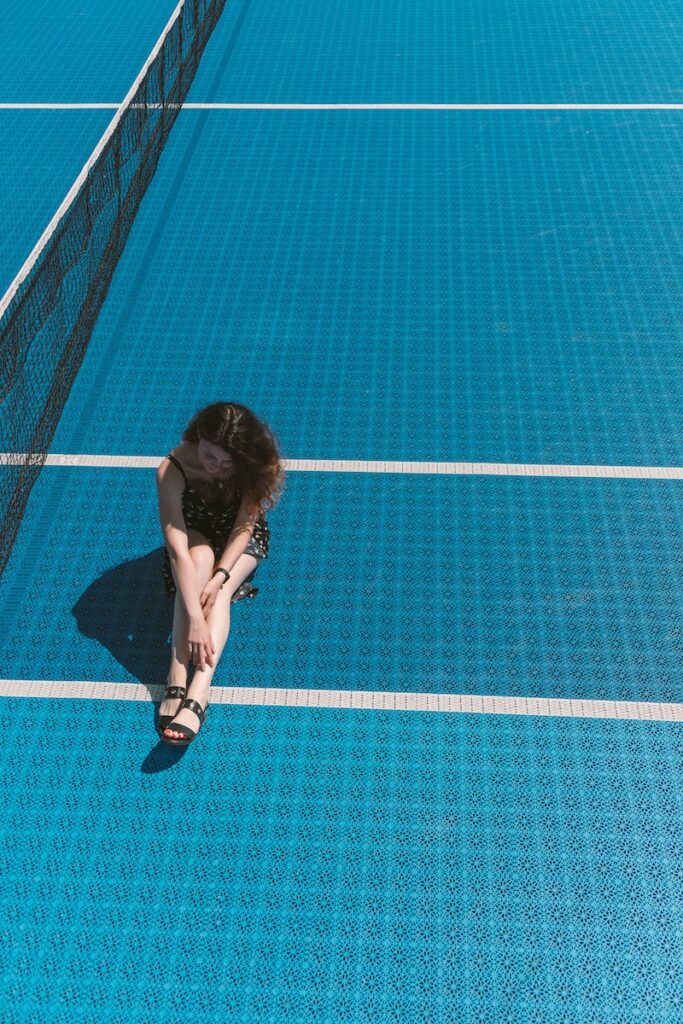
(125,610)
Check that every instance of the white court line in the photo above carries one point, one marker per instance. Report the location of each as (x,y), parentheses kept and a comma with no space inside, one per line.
(59,106)
(361,106)
(350,466)
(365,700)
(434,106)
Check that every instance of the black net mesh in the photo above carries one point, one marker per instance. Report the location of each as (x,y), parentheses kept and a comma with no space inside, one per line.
(46,327)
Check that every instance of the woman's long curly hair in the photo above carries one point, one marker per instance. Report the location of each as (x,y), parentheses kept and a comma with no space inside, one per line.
(258,473)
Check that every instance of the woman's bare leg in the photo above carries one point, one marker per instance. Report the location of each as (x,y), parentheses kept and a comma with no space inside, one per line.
(203,558)
(218,622)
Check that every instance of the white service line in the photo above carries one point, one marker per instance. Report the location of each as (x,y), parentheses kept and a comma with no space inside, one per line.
(365,700)
(351,466)
(361,106)
(59,106)
(434,106)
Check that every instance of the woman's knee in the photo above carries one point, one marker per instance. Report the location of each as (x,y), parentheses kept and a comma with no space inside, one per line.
(203,558)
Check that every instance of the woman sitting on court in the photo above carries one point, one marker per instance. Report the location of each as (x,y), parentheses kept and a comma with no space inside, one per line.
(213,491)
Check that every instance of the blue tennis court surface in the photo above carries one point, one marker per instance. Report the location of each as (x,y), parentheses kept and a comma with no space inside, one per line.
(382,286)
(431,51)
(77,51)
(41,153)
(554,588)
(487,286)
(336,866)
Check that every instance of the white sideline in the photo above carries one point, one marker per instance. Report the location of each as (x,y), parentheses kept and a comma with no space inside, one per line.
(366,700)
(376,466)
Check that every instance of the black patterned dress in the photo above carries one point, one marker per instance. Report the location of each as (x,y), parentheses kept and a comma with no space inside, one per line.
(209,510)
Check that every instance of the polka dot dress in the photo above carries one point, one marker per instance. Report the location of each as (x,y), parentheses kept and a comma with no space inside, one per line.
(212,509)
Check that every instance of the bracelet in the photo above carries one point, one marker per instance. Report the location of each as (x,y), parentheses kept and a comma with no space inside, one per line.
(225,573)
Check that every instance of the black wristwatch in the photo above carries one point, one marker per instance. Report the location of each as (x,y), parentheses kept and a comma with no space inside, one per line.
(225,573)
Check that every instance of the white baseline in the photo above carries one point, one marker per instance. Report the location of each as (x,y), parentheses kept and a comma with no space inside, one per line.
(365,700)
(376,466)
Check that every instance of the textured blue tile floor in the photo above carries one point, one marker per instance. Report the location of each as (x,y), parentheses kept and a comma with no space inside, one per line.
(41,154)
(76,51)
(449,286)
(321,865)
(431,51)
(426,286)
(535,587)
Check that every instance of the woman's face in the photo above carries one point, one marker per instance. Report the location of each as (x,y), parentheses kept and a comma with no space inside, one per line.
(213,458)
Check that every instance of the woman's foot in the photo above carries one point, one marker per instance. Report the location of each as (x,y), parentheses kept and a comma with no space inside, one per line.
(169,705)
(188,717)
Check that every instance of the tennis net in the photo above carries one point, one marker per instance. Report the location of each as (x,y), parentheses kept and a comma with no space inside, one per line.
(49,311)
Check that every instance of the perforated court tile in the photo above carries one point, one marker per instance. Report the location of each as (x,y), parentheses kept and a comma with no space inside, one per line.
(488,585)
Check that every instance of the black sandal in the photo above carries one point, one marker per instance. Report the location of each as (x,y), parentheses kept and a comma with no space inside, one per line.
(164,721)
(199,711)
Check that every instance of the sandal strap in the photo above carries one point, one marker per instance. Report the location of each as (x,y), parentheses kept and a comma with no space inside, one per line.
(195,706)
(174,691)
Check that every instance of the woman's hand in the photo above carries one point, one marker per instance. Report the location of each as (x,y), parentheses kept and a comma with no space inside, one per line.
(201,646)
(207,598)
